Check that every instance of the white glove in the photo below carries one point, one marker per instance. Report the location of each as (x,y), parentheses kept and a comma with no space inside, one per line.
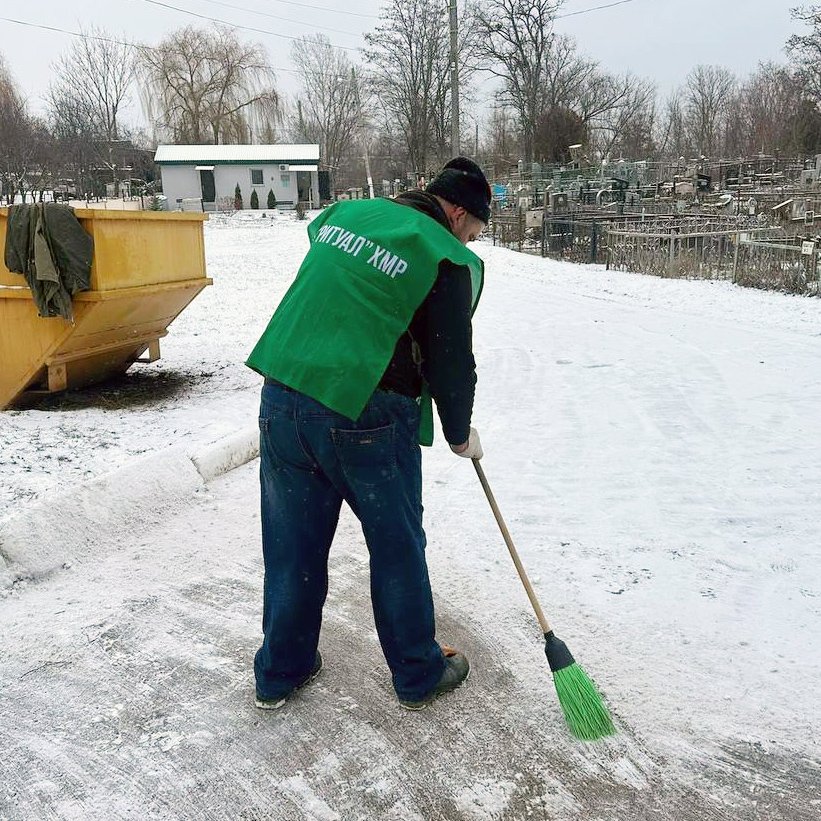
(473,449)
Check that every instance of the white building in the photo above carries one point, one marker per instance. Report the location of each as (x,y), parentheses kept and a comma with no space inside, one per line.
(209,174)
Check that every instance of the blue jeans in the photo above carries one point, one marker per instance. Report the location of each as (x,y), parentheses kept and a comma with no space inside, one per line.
(311,459)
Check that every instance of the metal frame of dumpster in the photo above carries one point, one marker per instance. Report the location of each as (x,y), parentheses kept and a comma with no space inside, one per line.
(147,267)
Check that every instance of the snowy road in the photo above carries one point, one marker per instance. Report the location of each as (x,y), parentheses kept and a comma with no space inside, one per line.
(654,447)
(126,693)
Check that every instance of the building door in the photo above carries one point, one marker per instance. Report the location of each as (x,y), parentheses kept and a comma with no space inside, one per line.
(324,186)
(303,187)
(209,191)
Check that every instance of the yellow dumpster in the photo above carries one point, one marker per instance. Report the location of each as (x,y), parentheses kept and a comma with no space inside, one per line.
(147,267)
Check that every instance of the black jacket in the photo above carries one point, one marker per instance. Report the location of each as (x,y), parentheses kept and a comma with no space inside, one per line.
(441,329)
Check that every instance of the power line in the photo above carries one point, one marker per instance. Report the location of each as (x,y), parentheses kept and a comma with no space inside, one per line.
(64,31)
(247,28)
(595,8)
(84,36)
(236,25)
(325,8)
(282,19)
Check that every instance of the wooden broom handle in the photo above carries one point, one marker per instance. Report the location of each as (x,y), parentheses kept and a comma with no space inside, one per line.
(510,546)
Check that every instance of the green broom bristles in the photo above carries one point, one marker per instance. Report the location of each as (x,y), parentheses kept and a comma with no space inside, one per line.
(581,704)
(583,708)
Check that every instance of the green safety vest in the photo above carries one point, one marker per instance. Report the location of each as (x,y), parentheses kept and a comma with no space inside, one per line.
(370,266)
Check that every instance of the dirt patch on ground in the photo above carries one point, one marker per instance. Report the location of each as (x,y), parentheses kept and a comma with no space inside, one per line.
(130,390)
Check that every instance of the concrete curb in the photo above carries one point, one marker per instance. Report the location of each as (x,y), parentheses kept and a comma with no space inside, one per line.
(79,523)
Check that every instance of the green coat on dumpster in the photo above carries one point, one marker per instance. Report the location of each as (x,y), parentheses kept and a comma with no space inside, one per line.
(47,245)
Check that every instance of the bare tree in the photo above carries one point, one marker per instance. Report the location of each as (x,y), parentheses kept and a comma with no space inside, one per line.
(96,73)
(331,108)
(805,128)
(12,111)
(805,55)
(775,113)
(606,103)
(769,111)
(805,50)
(21,140)
(408,54)
(672,134)
(516,38)
(766,104)
(300,128)
(501,148)
(46,161)
(708,97)
(557,93)
(565,72)
(625,119)
(206,86)
(75,133)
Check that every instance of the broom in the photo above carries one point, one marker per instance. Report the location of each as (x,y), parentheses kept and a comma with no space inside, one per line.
(581,704)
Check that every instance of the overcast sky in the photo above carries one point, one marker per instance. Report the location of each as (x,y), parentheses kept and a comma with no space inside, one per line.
(661,39)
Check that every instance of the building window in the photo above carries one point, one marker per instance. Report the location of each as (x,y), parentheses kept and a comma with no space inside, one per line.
(256,176)
(285,179)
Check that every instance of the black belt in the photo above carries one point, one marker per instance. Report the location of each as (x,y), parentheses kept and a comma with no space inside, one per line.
(278,384)
(284,387)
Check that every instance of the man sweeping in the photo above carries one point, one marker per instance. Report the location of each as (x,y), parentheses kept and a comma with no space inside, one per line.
(376,323)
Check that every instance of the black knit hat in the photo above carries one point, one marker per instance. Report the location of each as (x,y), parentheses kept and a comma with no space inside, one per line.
(462,182)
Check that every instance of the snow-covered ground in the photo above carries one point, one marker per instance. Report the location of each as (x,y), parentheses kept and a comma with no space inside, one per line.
(654,446)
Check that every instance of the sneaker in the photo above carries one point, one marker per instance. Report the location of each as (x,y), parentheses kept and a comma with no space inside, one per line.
(276,703)
(457,669)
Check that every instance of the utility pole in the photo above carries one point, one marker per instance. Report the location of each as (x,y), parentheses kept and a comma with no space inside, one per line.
(454,79)
(368,170)
(365,138)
